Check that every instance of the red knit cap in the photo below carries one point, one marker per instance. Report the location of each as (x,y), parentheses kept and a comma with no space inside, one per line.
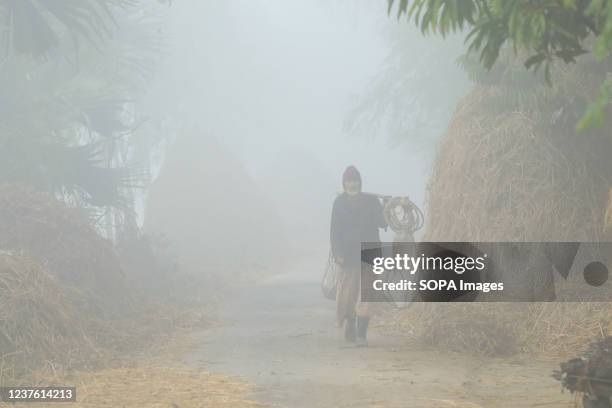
(351,174)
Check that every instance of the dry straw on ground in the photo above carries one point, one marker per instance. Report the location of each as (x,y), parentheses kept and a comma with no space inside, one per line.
(64,302)
(68,315)
(43,326)
(155,378)
(158,386)
(161,386)
(39,324)
(548,330)
(45,340)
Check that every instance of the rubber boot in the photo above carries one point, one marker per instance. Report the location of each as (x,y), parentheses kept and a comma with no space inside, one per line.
(349,329)
(362,330)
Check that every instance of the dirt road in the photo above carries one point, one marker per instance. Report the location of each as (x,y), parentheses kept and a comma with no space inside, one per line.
(280,335)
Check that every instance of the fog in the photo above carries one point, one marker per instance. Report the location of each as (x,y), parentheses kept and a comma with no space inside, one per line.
(181,221)
(276,82)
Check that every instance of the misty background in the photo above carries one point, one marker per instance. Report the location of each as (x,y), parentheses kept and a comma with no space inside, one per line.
(294,91)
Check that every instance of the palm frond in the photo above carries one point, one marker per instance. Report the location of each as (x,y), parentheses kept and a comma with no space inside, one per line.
(34,27)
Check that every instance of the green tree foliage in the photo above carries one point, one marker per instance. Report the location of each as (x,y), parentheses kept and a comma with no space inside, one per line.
(547,30)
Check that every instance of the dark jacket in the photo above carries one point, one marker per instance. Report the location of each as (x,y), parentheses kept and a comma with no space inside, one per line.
(354,220)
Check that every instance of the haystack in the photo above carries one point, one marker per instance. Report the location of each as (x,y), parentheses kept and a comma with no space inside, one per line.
(218,220)
(517,171)
(513,176)
(39,322)
(63,240)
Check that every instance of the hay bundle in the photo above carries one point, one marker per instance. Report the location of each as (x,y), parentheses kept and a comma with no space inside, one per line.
(64,303)
(549,330)
(46,326)
(512,176)
(519,173)
(63,240)
(39,324)
(220,222)
(462,328)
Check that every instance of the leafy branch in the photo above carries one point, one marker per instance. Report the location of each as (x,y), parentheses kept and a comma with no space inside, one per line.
(547,30)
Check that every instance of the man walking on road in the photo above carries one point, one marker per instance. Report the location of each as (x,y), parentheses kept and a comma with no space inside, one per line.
(356,218)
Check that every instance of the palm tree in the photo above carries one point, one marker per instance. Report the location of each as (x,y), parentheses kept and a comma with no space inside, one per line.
(68,84)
